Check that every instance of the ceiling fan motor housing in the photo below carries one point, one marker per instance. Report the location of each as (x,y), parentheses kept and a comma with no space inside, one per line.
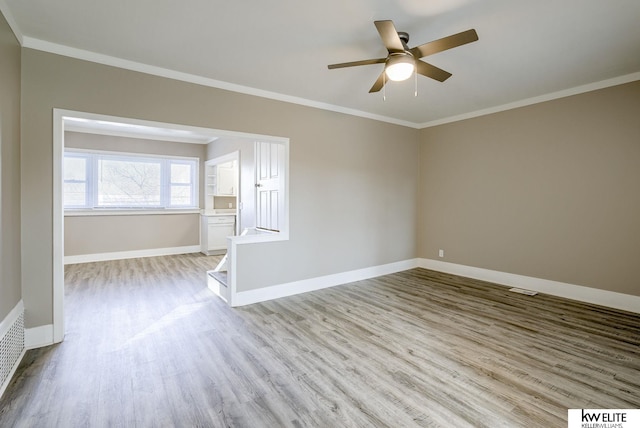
(405,39)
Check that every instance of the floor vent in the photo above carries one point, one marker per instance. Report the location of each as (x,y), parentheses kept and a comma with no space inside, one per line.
(11,347)
(523,291)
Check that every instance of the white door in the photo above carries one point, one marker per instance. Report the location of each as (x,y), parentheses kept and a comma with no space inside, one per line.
(270,176)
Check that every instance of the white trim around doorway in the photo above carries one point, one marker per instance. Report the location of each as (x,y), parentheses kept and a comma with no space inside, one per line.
(58,207)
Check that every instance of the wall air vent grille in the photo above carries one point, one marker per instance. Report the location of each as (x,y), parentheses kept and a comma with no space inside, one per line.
(11,347)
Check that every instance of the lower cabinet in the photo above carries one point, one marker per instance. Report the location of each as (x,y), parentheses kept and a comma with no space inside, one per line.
(214,232)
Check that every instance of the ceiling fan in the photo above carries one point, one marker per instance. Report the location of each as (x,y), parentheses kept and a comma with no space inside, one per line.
(402,61)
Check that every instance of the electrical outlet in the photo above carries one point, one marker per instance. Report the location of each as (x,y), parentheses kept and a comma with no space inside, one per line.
(440,253)
(230,205)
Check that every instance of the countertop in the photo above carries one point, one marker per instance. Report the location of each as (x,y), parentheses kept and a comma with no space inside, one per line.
(210,213)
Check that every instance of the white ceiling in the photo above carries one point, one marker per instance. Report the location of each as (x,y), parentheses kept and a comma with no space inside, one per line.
(527,50)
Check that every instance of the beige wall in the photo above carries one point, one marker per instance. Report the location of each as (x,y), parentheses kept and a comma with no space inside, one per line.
(104,234)
(550,190)
(354,187)
(83,140)
(10,291)
(107,234)
(224,202)
(353,180)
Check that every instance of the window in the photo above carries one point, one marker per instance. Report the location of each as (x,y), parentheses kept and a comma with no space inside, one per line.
(75,180)
(117,180)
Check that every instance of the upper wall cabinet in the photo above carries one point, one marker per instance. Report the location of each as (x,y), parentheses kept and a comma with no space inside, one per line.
(226,179)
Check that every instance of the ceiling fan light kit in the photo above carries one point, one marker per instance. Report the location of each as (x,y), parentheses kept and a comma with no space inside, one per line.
(402,61)
(400,67)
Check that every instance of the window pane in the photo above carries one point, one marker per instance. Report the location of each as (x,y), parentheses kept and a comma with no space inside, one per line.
(75,194)
(119,180)
(180,173)
(75,168)
(128,183)
(181,196)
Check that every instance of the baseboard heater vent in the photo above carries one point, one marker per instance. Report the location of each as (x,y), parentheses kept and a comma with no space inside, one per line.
(523,291)
(11,347)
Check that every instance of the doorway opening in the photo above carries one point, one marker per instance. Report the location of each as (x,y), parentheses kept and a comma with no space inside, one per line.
(66,119)
(222,192)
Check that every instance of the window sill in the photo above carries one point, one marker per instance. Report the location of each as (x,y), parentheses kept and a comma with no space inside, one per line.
(113,212)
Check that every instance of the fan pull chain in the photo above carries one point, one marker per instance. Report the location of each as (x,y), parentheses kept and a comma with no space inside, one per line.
(384,86)
(415,74)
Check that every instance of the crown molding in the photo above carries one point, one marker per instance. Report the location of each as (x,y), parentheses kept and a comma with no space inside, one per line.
(43,45)
(4,9)
(536,100)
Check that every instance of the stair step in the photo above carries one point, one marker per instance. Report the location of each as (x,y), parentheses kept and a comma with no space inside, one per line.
(220,276)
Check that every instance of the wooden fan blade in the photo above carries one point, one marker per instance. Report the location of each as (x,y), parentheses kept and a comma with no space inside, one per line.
(379,83)
(355,63)
(431,71)
(389,36)
(444,44)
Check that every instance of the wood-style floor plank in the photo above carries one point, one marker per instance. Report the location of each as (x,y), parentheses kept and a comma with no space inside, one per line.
(148,345)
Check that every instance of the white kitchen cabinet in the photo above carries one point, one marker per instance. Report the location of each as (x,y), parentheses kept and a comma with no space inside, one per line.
(214,232)
(226,174)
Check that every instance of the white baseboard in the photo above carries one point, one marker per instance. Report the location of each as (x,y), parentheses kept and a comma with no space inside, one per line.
(312,284)
(119,255)
(12,344)
(611,299)
(38,337)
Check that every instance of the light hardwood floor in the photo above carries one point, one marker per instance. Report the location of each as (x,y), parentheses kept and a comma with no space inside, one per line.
(147,345)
